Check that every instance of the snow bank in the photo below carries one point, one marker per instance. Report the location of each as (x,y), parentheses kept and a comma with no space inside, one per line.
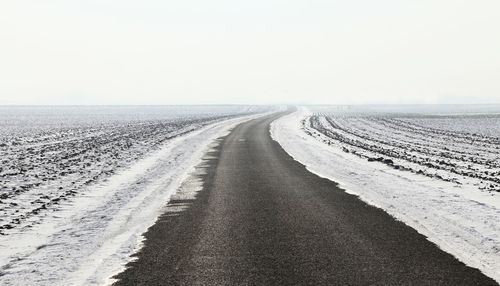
(461,221)
(91,239)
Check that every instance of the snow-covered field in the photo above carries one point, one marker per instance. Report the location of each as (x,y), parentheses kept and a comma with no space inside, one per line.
(437,169)
(79,185)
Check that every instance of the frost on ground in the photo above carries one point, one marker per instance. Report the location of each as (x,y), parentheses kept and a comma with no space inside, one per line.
(49,155)
(76,194)
(438,179)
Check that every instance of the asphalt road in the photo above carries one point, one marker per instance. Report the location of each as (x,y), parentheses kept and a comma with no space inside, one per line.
(263,219)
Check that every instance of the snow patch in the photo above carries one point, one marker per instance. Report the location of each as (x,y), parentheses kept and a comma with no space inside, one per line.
(460,220)
(87,241)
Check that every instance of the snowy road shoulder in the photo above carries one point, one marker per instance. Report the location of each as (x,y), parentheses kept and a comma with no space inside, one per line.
(92,238)
(462,224)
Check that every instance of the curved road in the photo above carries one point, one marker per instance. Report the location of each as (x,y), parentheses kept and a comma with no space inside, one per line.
(263,219)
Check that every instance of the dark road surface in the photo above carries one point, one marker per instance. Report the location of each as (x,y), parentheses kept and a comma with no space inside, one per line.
(263,219)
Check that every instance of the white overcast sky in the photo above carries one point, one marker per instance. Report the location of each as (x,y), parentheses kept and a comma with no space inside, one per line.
(259,51)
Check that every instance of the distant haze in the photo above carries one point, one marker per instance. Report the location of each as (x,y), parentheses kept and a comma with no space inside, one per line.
(241,52)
